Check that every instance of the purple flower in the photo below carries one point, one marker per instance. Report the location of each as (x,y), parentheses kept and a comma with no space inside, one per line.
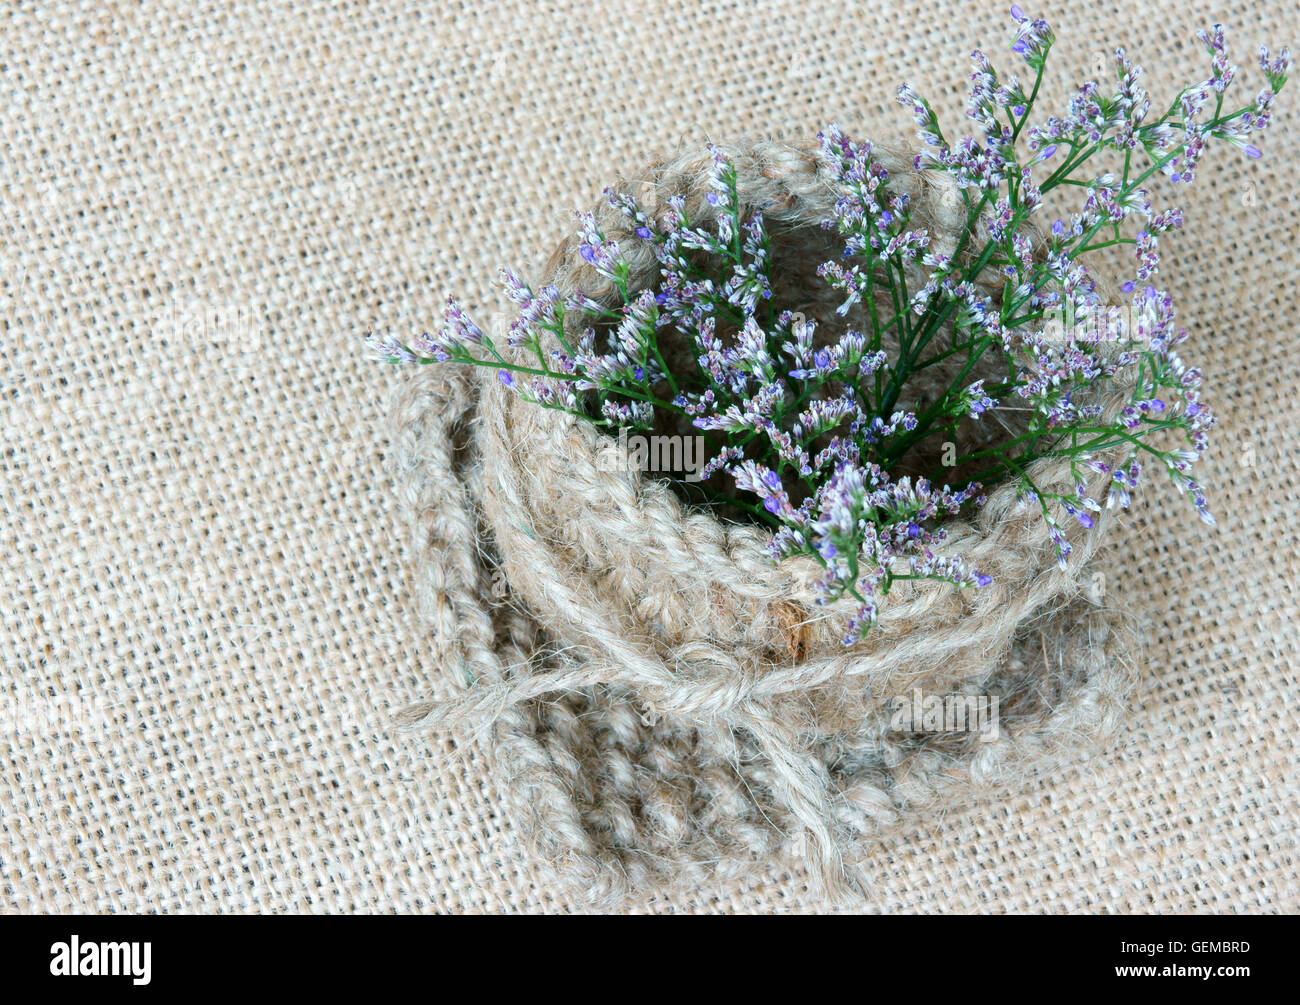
(976,401)
(810,419)
(388,349)
(1033,39)
(458,329)
(1082,515)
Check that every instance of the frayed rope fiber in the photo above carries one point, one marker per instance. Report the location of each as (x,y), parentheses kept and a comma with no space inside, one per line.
(664,703)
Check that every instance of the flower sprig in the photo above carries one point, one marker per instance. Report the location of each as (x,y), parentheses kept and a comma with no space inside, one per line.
(814,423)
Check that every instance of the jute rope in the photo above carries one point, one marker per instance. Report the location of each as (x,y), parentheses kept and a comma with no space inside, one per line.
(664,702)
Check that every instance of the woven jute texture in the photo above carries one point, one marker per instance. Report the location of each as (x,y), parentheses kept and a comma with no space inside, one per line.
(206,617)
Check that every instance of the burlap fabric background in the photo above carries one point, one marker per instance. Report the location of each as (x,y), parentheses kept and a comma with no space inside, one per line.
(204,613)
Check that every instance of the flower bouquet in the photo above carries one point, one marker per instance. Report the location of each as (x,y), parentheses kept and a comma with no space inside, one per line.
(793,453)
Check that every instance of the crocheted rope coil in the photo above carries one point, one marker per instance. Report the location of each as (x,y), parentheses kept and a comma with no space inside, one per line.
(664,703)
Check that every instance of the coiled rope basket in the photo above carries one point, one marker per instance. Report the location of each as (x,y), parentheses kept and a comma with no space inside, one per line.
(664,704)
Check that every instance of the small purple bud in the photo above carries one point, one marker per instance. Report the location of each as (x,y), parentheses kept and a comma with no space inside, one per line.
(772,479)
(913,530)
(506,377)
(1129,287)
(1058,228)
(982,580)
(1084,518)
(1017,14)
(1018,110)
(586,252)
(644,233)
(1253,151)
(1046,152)
(771,505)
